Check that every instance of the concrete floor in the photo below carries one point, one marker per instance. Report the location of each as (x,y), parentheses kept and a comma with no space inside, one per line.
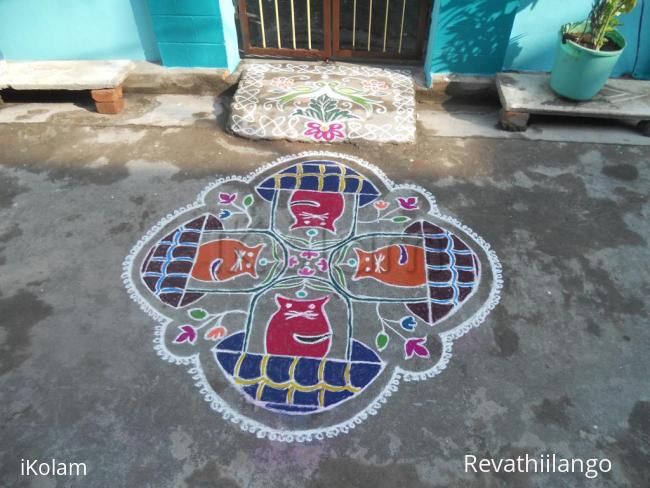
(561,366)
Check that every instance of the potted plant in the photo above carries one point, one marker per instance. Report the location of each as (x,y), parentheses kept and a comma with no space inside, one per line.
(587,51)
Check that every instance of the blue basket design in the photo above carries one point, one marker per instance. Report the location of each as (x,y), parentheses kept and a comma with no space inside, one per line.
(324,176)
(297,385)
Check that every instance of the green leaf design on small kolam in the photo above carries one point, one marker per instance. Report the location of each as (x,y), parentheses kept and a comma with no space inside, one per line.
(248,200)
(400,219)
(382,340)
(198,313)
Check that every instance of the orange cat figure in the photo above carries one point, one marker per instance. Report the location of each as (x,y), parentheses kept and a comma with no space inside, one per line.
(225,259)
(398,265)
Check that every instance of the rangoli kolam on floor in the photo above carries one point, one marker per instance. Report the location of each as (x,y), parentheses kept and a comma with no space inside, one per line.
(301,296)
(324,103)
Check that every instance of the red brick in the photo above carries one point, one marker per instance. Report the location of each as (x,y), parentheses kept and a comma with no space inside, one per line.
(107,94)
(110,107)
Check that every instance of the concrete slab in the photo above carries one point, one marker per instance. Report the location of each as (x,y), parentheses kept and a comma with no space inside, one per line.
(64,75)
(560,367)
(531,93)
(326,102)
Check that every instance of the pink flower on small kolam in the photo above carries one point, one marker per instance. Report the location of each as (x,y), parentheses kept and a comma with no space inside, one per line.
(282,82)
(227,198)
(306,271)
(381,205)
(293,261)
(416,347)
(310,254)
(188,334)
(322,265)
(374,85)
(410,203)
(326,132)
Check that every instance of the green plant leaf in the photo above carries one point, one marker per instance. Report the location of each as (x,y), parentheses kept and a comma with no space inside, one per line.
(400,219)
(248,200)
(198,313)
(382,340)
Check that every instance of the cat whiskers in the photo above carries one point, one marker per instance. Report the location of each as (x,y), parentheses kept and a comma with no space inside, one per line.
(308,314)
(239,263)
(379,260)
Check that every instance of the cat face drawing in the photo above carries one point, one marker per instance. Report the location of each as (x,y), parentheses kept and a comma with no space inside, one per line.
(299,328)
(225,259)
(316,209)
(398,265)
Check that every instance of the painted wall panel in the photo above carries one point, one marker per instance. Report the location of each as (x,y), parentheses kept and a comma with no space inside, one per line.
(642,65)
(202,29)
(535,32)
(196,33)
(73,29)
(470,37)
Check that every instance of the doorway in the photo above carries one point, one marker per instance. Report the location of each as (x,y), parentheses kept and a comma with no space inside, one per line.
(324,29)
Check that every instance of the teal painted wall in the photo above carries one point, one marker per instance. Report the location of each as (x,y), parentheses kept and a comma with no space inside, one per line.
(642,67)
(469,37)
(196,33)
(76,29)
(536,26)
(482,37)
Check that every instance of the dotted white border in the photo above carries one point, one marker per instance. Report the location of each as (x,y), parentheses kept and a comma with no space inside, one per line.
(399,374)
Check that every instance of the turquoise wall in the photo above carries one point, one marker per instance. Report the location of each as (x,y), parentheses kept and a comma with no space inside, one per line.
(482,37)
(76,29)
(196,33)
(469,37)
(537,23)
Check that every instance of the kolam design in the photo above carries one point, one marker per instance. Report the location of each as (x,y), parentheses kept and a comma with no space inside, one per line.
(300,296)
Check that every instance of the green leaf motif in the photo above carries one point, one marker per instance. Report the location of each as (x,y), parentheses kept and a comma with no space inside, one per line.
(401,219)
(324,109)
(382,340)
(248,201)
(198,313)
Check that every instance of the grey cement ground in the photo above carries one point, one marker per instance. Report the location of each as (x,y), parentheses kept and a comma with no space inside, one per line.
(560,366)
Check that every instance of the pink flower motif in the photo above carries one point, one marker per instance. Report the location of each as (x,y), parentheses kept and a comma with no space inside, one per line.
(309,254)
(188,335)
(227,198)
(326,132)
(282,82)
(381,205)
(415,346)
(293,261)
(306,271)
(322,265)
(374,85)
(410,203)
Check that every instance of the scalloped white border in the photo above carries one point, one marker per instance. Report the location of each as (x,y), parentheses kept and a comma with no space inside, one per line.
(255,427)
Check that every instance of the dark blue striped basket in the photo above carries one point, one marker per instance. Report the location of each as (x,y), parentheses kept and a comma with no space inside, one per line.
(297,385)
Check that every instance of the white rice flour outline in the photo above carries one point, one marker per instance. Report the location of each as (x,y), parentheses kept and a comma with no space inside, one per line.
(253,426)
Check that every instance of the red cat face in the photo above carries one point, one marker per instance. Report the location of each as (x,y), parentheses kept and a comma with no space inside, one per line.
(299,328)
(316,209)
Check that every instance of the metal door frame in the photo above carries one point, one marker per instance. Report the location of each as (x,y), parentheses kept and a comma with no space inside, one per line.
(331,36)
(324,53)
(425,6)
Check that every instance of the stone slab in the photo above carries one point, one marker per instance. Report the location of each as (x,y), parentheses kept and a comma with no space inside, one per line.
(327,102)
(531,93)
(64,75)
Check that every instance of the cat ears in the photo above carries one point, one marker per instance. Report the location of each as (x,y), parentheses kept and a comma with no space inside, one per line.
(281,300)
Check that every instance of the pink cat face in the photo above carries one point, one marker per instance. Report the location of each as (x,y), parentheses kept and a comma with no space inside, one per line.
(316,209)
(299,328)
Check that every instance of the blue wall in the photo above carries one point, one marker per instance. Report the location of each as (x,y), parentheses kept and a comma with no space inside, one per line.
(469,37)
(480,37)
(535,31)
(76,29)
(196,33)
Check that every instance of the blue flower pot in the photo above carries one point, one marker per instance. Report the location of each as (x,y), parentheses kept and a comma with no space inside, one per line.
(579,73)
